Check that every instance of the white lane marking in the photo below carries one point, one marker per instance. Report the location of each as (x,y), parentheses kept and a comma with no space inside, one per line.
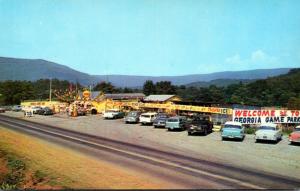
(252,186)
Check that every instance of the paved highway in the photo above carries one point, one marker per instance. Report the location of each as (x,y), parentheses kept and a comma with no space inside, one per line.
(178,170)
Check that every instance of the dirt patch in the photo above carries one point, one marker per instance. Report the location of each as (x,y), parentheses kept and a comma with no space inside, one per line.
(54,167)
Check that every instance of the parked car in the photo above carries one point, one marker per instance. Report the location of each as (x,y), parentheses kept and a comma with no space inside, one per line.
(16,108)
(47,111)
(200,124)
(176,123)
(113,114)
(160,120)
(35,109)
(268,131)
(2,110)
(147,118)
(132,117)
(41,111)
(233,130)
(294,137)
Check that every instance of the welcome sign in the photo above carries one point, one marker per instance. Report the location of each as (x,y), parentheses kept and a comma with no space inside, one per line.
(266,116)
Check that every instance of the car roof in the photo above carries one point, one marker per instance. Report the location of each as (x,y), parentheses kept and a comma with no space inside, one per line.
(233,123)
(297,127)
(149,113)
(269,125)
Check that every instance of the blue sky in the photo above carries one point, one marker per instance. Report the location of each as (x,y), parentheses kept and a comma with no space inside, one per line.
(153,37)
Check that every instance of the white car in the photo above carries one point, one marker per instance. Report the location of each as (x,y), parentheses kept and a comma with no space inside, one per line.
(147,118)
(113,114)
(268,131)
(35,109)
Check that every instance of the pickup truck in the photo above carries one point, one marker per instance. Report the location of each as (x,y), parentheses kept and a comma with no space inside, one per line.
(201,124)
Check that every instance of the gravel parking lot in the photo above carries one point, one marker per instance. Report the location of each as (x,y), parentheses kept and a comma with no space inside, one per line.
(281,158)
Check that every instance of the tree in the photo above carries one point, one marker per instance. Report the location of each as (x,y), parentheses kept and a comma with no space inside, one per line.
(294,103)
(149,87)
(165,87)
(105,87)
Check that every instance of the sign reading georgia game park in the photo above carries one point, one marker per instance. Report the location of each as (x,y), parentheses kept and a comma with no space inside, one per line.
(266,116)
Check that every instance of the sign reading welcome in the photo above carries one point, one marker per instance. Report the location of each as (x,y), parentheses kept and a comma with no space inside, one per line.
(266,116)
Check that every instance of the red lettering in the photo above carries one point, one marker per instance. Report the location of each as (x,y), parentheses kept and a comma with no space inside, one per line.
(254,113)
(272,113)
(265,113)
(238,113)
(245,113)
(249,113)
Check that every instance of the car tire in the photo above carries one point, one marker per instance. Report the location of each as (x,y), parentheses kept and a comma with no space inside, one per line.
(169,129)
(205,132)
(189,133)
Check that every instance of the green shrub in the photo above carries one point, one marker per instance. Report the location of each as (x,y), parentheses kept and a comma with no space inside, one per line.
(5,186)
(39,176)
(16,173)
(250,130)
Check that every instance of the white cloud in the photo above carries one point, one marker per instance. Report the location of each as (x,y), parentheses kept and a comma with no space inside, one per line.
(257,57)
(236,59)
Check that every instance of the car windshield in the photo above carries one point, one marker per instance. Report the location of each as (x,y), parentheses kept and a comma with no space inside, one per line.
(233,126)
(267,128)
(146,116)
(297,129)
(173,120)
(132,114)
(162,116)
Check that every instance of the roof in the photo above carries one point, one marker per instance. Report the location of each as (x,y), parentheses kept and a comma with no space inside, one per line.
(149,113)
(158,97)
(233,123)
(125,96)
(95,94)
(269,124)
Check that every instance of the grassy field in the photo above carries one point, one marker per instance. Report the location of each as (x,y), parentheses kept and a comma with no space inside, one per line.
(34,163)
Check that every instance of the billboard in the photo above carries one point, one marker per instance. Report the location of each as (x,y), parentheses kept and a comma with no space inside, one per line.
(265,116)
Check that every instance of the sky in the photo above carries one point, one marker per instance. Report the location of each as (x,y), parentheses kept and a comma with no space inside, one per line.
(153,37)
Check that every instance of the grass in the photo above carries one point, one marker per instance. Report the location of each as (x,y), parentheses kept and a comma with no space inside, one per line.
(49,166)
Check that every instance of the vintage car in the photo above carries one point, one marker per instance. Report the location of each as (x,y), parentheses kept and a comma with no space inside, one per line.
(132,117)
(2,110)
(160,120)
(47,111)
(294,137)
(200,124)
(113,114)
(233,130)
(176,123)
(147,118)
(16,108)
(35,109)
(268,131)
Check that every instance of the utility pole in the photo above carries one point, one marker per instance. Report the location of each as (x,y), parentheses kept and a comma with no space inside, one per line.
(50,92)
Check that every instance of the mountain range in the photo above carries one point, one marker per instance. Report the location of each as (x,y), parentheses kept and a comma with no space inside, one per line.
(34,69)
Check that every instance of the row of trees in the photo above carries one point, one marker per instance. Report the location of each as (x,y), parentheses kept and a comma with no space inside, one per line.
(282,90)
(13,92)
